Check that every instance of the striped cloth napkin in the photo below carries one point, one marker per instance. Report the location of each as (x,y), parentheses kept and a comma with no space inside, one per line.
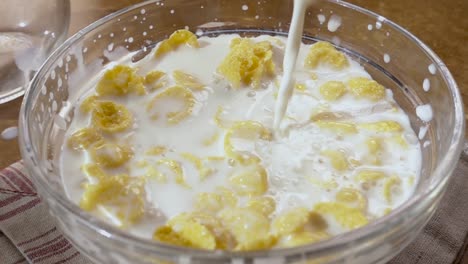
(28,234)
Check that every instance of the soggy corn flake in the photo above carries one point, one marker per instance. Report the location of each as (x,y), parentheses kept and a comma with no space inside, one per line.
(382,126)
(249,228)
(111,117)
(247,62)
(332,90)
(347,217)
(109,155)
(175,40)
(178,92)
(250,130)
(250,181)
(121,191)
(263,204)
(389,185)
(362,87)
(120,80)
(324,53)
(338,127)
(155,80)
(84,138)
(337,158)
(186,80)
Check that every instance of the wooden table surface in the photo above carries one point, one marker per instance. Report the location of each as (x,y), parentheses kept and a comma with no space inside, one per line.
(442,25)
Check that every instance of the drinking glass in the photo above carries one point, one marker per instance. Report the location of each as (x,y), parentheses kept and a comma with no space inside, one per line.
(29,32)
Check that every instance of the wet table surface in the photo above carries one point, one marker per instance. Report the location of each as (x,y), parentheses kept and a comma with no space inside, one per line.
(442,25)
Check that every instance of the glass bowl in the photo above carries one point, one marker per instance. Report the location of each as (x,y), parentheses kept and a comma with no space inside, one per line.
(389,53)
(29,32)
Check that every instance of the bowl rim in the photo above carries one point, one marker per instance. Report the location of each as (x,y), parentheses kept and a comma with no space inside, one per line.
(115,235)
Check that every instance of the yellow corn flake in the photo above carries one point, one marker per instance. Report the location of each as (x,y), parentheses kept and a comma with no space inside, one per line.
(250,130)
(362,87)
(247,62)
(175,40)
(156,151)
(324,53)
(249,228)
(327,116)
(290,222)
(411,180)
(120,80)
(154,79)
(352,197)
(382,126)
(94,170)
(181,93)
(252,181)
(198,163)
(109,155)
(399,140)
(211,140)
(111,117)
(374,145)
(219,120)
(263,204)
(153,174)
(329,184)
(347,217)
(337,158)
(167,235)
(304,238)
(369,176)
(176,168)
(122,191)
(387,211)
(186,80)
(338,127)
(300,87)
(88,104)
(388,187)
(332,90)
(141,163)
(216,201)
(313,76)
(84,138)
(189,229)
(209,202)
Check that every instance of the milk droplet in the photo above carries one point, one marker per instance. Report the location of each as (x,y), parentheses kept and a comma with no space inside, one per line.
(386,58)
(426,143)
(245,7)
(424,112)
(130,40)
(142,11)
(10,133)
(257,17)
(199,32)
(370,27)
(172,11)
(426,85)
(110,46)
(321,18)
(432,69)
(334,23)
(378,25)
(422,132)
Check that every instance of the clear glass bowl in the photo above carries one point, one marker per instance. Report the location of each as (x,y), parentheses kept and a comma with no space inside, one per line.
(29,32)
(47,112)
